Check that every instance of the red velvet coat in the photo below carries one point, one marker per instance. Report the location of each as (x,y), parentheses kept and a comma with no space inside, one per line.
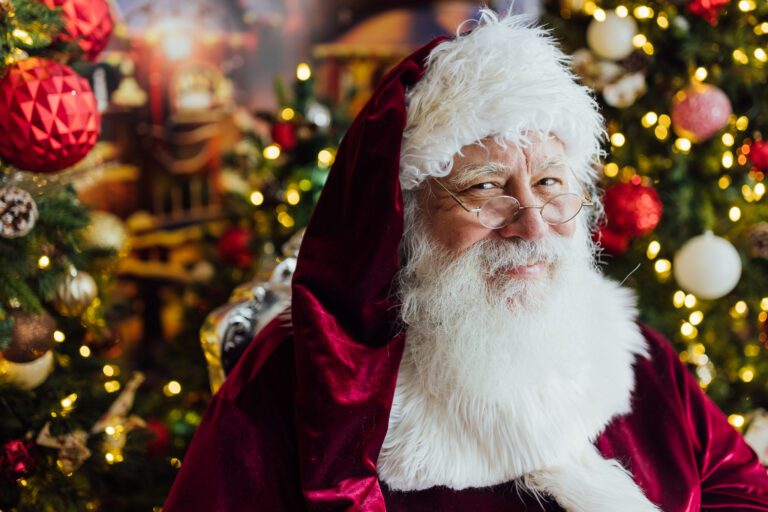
(299,423)
(679,447)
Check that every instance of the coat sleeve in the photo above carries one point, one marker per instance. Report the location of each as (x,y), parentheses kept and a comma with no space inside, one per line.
(732,477)
(243,456)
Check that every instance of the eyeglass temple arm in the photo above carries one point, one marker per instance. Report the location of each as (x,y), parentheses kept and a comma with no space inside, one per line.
(458,201)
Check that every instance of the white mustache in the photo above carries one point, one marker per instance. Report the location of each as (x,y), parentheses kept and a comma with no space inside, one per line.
(497,256)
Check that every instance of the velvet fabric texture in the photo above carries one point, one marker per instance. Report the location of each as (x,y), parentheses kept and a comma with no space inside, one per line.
(678,445)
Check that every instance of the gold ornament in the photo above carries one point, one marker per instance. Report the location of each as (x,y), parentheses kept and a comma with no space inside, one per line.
(106,232)
(75,293)
(31,338)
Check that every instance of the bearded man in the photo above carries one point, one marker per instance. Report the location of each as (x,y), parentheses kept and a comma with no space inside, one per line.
(450,344)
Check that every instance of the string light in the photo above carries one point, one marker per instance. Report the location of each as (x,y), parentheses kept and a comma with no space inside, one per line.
(649,119)
(724,182)
(727,160)
(175,463)
(742,123)
(110,370)
(662,266)
(741,308)
(690,301)
(747,5)
(734,213)
(325,157)
(728,139)
(303,72)
(599,14)
(58,337)
(759,191)
(172,388)
(112,386)
(678,299)
(747,193)
(752,350)
(665,120)
(736,420)
(688,331)
(618,139)
(622,11)
(683,144)
(662,21)
(287,114)
(639,40)
(661,132)
(44,262)
(285,219)
(764,304)
(648,48)
(760,55)
(653,249)
(740,56)
(305,185)
(643,12)
(747,373)
(256,198)
(696,317)
(292,197)
(761,28)
(85,351)
(272,152)
(700,74)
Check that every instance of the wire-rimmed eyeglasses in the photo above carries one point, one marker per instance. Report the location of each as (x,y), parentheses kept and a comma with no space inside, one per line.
(500,211)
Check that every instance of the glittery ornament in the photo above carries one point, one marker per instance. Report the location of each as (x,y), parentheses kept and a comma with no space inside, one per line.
(15,458)
(18,212)
(32,336)
(632,210)
(87,22)
(75,293)
(48,116)
(758,153)
(700,111)
(106,232)
(758,240)
(707,266)
(234,247)
(708,10)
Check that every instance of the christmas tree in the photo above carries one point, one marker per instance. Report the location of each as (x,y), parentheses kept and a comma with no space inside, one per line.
(681,84)
(68,441)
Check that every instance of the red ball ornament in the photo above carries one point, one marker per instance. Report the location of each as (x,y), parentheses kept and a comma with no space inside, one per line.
(284,134)
(234,247)
(700,111)
(758,153)
(48,116)
(632,210)
(612,243)
(87,22)
(708,10)
(162,438)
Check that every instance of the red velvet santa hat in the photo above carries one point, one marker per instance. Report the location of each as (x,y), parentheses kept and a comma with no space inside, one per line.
(504,78)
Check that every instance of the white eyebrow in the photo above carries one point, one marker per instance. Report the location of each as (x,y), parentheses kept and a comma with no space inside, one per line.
(552,162)
(471,172)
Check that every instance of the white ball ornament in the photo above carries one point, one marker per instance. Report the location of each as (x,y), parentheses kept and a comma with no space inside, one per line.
(707,266)
(612,38)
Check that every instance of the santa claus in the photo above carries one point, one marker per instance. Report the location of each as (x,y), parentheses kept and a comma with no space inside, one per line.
(451,344)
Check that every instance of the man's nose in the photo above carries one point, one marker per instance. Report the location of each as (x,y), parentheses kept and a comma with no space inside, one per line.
(529,224)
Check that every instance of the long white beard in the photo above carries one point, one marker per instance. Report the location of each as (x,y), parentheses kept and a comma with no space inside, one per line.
(507,378)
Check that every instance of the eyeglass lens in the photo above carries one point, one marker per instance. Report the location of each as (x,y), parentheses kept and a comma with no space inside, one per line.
(501,211)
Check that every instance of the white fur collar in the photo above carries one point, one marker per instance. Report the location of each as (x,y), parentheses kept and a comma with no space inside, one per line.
(547,423)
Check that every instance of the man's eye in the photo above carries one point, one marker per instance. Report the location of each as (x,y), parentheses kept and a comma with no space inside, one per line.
(486,185)
(550,182)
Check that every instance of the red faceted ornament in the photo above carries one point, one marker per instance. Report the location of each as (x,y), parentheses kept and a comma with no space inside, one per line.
(234,247)
(161,440)
(758,153)
(700,111)
(48,116)
(708,10)
(632,210)
(87,22)
(284,134)
(15,459)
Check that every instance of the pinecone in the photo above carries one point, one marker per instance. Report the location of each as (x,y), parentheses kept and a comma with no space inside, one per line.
(18,212)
